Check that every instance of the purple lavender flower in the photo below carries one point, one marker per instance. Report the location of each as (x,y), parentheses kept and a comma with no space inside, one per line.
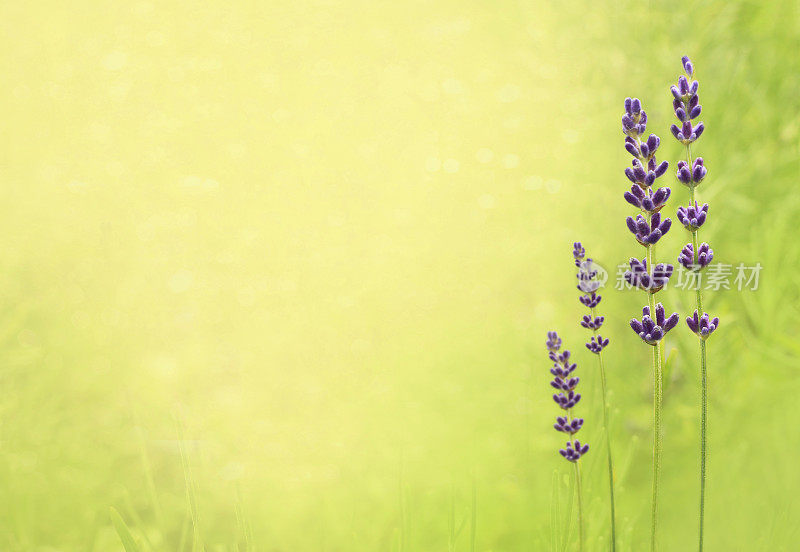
(703,326)
(638,275)
(553,342)
(574,451)
(634,121)
(644,178)
(597,344)
(694,175)
(578,252)
(562,366)
(648,233)
(647,200)
(592,323)
(566,398)
(590,300)
(587,275)
(693,216)
(704,256)
(653,330)
(568,426)
(687,66)
(686,105)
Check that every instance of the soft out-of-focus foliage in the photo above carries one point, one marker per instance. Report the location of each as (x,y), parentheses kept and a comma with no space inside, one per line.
(323,241)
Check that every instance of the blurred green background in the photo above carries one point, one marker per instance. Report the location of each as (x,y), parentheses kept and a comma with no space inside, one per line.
(313,248)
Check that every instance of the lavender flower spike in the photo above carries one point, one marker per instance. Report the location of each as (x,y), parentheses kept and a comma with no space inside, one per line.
(694,255)
(648,227)
(567,398)
(589,284)
(553,341)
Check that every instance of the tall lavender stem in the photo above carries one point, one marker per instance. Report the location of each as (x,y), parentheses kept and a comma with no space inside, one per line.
(687,107)
(567,398)
(648,228)
(588,285)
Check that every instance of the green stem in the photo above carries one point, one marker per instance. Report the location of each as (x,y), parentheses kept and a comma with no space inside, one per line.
(703,376)
(608,447)
(703,445)
(656,441)
(580,506)
(657,400)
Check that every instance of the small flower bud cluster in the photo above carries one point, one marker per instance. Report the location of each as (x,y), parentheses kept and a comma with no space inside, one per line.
(653,329)
(703,326)
(704,256)
(567,398)
(588,283)
(648,233)
(693,216)
(638,275)
(686,105)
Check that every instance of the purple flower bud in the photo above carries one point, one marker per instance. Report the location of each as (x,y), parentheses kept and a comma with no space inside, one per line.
(684,174)
(653,142)
(627,123)
(698,170)
(636,106)
(687,66)
(676,92)
(698,130)
(695,112)
(683,85)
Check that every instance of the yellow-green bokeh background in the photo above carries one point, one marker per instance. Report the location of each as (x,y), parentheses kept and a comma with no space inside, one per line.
(327,238)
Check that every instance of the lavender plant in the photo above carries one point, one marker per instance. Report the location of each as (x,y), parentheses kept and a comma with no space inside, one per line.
(648,228)
(565,383)
(686,104)
(588,286)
